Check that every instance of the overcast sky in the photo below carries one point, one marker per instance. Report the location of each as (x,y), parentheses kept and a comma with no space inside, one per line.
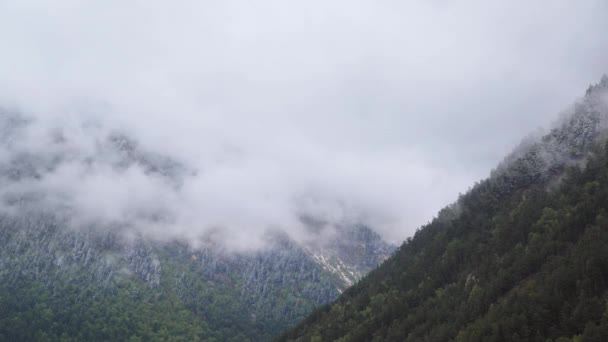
(378,111)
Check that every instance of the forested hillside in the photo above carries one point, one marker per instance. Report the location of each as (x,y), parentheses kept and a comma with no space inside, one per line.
(57,284)
(522,256)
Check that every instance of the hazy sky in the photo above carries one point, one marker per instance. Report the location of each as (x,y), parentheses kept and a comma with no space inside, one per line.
(376,111)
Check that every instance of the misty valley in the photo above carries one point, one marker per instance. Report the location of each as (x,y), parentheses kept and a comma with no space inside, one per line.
(304,171)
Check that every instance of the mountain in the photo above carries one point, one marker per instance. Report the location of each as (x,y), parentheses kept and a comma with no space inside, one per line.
(102,281)
(522,256)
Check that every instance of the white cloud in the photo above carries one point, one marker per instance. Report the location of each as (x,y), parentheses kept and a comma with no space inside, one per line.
(380,111)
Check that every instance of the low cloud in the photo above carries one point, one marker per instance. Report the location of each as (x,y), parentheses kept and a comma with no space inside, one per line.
(350,111)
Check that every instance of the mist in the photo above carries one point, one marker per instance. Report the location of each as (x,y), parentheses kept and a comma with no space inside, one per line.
(377,113)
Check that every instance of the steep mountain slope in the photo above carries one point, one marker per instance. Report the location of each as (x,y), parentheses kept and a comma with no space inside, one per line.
(103,281)
(520,257)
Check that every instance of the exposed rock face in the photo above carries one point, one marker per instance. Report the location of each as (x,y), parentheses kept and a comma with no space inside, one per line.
(354,251)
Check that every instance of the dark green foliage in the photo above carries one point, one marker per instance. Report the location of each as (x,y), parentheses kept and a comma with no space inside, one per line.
(53,291)
(189,306)
(30,311)
(523,256)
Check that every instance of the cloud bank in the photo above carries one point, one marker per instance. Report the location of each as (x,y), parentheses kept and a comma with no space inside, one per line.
(351,111)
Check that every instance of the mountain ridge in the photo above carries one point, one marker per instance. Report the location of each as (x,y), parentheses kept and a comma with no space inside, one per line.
(519,257)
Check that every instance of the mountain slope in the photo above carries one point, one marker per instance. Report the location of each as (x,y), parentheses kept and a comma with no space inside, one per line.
(520,257)
(103,281)
(98,285)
